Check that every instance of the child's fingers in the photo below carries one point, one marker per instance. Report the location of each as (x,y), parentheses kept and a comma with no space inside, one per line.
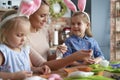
(29,73)
(91,61)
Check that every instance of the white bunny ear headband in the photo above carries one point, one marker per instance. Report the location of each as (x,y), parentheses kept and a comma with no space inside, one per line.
(26,8)
(81,6)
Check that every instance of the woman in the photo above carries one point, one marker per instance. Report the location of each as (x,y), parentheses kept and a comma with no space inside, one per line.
(39,42)
(38,21)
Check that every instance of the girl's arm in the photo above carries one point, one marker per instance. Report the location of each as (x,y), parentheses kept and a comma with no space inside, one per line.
(15,76)
(97,52)
(5,75)
(1,58)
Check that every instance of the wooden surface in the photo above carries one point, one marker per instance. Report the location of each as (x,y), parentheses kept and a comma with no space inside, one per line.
(108,74)
(63,72)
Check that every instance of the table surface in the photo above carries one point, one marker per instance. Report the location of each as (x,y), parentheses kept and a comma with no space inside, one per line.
(63,73)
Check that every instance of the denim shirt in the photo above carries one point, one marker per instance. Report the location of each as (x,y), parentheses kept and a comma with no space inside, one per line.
(75,43)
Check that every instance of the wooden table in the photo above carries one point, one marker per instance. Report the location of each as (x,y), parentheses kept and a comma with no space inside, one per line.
(108,74)
(63,73)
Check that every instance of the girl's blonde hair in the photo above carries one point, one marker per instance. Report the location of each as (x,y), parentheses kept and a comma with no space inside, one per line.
(85,17)
(7,25)
(8,13)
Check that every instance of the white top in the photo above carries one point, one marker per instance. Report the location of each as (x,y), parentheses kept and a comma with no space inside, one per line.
(15,61)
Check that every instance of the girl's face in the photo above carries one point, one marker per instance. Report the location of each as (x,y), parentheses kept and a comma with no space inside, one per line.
(78,26)
(40,17)
(17,37)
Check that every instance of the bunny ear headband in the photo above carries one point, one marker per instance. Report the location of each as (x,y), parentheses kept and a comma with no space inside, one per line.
(26,8)
(81,6)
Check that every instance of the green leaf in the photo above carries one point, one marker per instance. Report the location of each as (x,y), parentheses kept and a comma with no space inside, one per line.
(90,78)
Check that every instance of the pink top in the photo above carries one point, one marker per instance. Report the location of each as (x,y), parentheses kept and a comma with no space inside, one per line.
(39,43)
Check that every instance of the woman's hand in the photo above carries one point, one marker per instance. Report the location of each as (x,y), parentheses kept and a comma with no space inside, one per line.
(62,48)
(82,54)
(43,69)
(21,75)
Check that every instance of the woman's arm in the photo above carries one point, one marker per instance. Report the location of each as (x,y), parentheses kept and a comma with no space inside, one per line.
(51,56)
(37,60)
(41,69)
(61,63)
(60,50)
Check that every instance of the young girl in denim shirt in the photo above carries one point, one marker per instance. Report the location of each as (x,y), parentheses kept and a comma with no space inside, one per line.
(81,38)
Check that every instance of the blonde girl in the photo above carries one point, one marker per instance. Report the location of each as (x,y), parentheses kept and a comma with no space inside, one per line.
(81,38)
(14,52)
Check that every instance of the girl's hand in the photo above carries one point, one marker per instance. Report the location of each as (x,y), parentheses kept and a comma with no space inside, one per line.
(93,61)
(21,75)
(62,48)
(43,69)
(89,61)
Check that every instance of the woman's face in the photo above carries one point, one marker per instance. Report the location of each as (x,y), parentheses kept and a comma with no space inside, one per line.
(40,17)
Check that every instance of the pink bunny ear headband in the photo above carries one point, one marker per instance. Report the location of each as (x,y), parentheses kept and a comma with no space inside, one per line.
(26,8)
(81,6)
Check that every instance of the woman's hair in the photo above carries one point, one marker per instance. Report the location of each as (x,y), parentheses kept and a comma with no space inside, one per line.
(7,25)
(85,17)
(45,2)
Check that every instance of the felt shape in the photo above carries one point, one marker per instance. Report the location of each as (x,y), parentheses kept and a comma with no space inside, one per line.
(55,77)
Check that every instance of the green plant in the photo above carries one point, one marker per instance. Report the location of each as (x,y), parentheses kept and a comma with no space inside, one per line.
(62,11)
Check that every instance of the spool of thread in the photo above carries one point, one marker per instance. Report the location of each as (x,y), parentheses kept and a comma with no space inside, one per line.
(59,54)
(55,37)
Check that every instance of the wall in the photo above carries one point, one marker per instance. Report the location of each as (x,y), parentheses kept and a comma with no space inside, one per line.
(100,15)
(88,6)
(14,2)
(17,2)
(100,18)
(115,31)
(100,22)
